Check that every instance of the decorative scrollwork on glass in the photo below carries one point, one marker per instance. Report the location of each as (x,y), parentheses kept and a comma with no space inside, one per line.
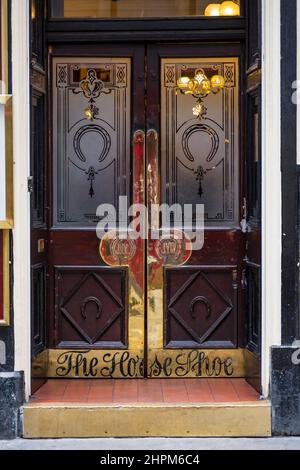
(200,128)
(91,136)
(92,88)
(91,171)
(201,159)
(92,128)
(200,171)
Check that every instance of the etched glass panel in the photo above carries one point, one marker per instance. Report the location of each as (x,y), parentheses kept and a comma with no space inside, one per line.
(200,157)
(91,137)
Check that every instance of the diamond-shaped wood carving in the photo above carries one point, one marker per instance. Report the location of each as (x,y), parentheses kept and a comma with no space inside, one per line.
(200,307)
(91,307)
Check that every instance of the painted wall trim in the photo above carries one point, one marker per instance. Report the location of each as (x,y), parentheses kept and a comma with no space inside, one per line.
(298,84)
(21,232)
(289,308)
(271,185)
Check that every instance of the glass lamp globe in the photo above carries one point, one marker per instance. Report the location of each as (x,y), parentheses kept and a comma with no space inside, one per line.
(217,83)
(183,82)
(213,9)
(229,9)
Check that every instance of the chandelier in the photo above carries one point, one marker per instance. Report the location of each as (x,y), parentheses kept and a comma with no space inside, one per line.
(200,87)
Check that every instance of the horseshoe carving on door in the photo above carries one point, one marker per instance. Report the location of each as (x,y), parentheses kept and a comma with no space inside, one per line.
(200,299)
(88,300)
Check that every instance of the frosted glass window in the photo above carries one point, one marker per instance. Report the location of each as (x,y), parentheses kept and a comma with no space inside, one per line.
(200,158)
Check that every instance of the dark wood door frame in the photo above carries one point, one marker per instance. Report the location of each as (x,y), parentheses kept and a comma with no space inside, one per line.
(84,37)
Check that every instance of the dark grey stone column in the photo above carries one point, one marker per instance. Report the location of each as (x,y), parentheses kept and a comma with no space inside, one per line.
(11,401)
(285,390)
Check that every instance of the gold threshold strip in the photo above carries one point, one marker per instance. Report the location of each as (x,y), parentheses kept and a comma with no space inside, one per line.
(148,420)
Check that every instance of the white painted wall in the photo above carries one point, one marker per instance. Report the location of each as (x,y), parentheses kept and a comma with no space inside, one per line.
(271,186)
(21,141)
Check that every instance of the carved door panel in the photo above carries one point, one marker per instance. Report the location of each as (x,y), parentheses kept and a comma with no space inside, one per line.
(195,314)
(97,306)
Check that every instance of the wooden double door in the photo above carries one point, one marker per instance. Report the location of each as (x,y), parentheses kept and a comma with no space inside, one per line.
(122,134)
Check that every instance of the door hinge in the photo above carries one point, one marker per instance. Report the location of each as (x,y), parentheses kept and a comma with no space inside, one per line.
(30,184)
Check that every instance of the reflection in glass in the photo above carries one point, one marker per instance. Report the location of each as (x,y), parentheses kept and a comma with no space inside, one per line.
(142,8)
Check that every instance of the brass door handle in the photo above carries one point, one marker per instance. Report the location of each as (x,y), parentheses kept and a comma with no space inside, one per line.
(138,166)
(152,177)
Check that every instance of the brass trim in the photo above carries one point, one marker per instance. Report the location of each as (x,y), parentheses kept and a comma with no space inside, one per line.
(200,363)
(96,363)
(52,420)
(6,224)
(106,364)
(254,80)
(41,245)
(253,366)
(6,100)
(40,364)
(153,179)
(6,278)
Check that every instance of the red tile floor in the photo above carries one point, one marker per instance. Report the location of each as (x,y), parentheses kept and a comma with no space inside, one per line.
(145,391)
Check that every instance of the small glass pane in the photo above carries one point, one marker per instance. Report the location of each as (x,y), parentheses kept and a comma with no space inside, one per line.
(91,137)
(143,8)
(200,157)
